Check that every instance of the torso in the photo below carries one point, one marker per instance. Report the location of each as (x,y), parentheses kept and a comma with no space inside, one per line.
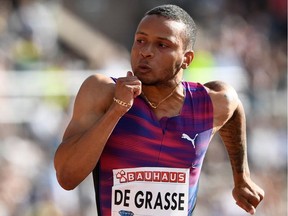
(143,129)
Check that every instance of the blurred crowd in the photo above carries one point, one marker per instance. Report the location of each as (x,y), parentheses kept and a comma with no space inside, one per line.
(242,42)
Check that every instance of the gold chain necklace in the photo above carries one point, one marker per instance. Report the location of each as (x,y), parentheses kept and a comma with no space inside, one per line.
(155,106)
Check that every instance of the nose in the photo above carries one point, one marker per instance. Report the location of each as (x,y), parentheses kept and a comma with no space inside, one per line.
(147,51)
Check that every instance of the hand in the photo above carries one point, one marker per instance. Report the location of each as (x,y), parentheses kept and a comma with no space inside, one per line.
(248,195)
(135,85)
(128,88)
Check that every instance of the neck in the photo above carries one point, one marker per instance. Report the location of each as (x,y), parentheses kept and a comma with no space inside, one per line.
(158,96)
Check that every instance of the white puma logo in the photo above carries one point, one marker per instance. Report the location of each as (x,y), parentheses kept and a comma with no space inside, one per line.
(185,136)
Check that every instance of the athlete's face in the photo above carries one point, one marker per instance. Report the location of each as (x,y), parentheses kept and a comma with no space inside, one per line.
(158,52)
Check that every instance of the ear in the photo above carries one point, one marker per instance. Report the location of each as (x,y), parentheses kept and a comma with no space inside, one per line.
(188,58)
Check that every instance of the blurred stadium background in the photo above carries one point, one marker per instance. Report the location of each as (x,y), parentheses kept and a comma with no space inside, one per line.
(48,48)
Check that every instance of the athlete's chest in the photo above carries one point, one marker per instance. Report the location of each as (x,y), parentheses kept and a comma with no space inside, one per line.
(169,142)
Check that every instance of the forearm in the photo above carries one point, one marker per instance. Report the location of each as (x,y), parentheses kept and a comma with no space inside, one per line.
(233,134)
(77,156)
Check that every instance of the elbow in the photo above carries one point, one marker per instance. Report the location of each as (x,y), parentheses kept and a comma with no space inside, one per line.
(65,181)
(64,176)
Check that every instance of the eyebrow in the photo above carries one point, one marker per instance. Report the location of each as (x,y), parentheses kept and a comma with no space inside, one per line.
(140,32)
(161,38)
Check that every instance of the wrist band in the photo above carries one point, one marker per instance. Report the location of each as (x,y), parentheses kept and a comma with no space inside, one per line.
(122,103)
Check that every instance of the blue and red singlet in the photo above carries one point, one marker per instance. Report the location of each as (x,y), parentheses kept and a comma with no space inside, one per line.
(141,140)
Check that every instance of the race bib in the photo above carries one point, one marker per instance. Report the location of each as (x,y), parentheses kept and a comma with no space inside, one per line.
(150,191)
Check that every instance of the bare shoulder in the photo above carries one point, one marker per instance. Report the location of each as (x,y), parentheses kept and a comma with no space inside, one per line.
(97,87)
(96,81)
(92,100)
(95,93)
(225,101)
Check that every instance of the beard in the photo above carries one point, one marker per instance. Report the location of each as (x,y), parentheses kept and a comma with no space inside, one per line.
(168,79)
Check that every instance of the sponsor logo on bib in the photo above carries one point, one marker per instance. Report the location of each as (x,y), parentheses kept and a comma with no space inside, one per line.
(150,191)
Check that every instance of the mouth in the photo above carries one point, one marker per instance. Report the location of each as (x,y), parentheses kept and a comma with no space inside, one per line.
(143,68)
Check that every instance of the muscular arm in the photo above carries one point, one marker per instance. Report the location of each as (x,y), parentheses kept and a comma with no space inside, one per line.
(229,120)
(85,136)
(233,134)
(94,117)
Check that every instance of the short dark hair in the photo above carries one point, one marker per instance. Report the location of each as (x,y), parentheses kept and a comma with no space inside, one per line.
(176,13)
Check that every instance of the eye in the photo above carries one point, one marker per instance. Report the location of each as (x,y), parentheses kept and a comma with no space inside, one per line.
(139,41)
(163,45)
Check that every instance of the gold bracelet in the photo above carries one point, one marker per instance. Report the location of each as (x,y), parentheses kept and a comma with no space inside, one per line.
(122,103)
